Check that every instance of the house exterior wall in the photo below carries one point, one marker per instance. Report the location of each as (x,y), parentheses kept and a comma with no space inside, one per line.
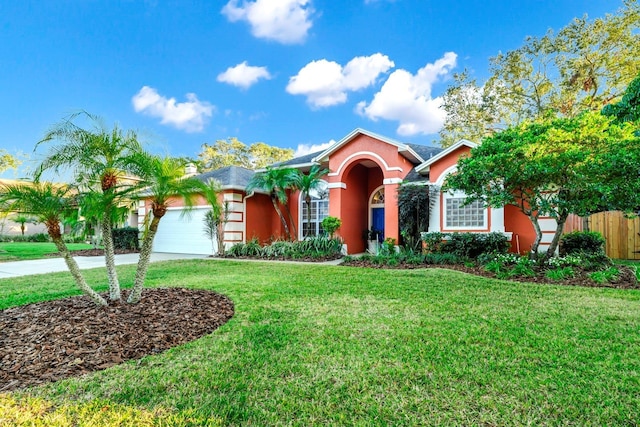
(357,169)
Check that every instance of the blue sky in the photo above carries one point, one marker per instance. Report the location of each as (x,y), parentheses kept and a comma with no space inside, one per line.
(290,73)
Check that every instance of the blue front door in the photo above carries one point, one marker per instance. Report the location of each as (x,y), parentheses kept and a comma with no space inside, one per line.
(377,222)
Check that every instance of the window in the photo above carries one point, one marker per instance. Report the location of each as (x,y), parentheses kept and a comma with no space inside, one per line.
(457,216)
(319,211)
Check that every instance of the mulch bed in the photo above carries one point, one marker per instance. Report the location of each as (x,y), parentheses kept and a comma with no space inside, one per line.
(95,252)
(52,340)
(626,279)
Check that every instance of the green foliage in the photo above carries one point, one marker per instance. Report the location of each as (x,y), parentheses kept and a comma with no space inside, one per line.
(330,224)
(413,213)
(126,238)
(388,247)
(605,276)
(628,109)
(583,66)
(590,242)
(232,152)
(554,167)
(466,245)
(560,273)
(314,247)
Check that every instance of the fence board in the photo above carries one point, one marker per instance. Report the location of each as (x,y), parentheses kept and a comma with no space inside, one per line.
(620,233)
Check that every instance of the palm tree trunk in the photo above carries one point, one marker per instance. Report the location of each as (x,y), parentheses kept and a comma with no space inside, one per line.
(72,265)
(284,221)
(307,200)
(109,258)
(143,261)
(294,235)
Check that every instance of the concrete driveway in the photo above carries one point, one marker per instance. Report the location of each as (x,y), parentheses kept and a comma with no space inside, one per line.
(52,265)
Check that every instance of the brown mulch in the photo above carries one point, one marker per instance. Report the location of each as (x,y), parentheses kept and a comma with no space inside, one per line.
(95,252)
(52,340)
(626,279)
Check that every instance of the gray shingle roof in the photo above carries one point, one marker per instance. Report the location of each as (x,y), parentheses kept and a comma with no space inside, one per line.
(425,151)
(298,160)
(229,176)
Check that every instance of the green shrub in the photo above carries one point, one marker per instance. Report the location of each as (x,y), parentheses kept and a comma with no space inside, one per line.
(605,276)
(126,238)
(466,245)
(581,242)
(330,224)
(560,273)
(524,267)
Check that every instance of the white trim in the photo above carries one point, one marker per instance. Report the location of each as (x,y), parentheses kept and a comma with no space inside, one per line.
(444,153)
(460,195)
(337,185)
(360,153)
(388,181)
(402,148)
(446,173)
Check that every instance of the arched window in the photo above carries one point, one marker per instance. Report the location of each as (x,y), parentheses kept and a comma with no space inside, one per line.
(312,224)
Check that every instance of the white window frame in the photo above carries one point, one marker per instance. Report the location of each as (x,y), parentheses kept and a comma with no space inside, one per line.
(461,195)
(302,217)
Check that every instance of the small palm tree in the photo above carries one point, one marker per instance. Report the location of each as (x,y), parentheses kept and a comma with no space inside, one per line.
(49,204)
(98,157)
(23,220)
(276,181)
(307,183)
(163,180)
(216,219)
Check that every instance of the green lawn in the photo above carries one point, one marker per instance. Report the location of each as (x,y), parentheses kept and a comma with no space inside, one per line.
(20,251)
(324,345)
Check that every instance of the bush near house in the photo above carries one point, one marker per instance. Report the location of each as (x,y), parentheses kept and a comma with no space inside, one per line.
(126,238)
(311,248)
(465,245)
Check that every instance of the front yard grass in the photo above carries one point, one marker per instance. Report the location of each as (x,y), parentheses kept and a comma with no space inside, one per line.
(20,251)
(325,345)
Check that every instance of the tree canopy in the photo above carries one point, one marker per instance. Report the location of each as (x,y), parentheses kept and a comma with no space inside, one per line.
(584,66)
(232,152)
(555,167)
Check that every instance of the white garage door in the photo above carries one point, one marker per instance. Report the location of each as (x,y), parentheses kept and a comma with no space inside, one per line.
(183,234)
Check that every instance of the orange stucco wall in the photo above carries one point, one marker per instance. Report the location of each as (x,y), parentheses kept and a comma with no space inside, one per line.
(436,169)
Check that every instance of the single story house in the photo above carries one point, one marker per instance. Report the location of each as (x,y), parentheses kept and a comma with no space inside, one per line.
(366,170)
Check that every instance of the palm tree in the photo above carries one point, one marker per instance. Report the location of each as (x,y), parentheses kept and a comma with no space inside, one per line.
(276,181)
(218,216)
(309,182)
(22,220)
(163,180)
(98,157)
(49,204)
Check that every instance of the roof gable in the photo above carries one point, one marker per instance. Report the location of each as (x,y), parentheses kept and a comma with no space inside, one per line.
(424,167)
(406,150)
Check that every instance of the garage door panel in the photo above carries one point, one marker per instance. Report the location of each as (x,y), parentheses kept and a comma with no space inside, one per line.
(183,234)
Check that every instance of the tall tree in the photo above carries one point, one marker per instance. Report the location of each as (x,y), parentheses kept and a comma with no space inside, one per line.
(553,167)
(49,204)
(163,181)
(232,152)
(98,157)
(276,182)
(584,66)
(307,183)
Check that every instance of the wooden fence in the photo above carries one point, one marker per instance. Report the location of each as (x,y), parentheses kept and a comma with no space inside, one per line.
(622,235)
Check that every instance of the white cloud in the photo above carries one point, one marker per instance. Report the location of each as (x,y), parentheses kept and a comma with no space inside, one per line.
(244,75)
(190,115)
(304,149)
(407,99)
(285,21)
(325,83)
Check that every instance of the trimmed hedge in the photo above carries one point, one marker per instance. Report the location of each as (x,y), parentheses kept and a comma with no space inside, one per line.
(581,242)
(126,238)
(466,245)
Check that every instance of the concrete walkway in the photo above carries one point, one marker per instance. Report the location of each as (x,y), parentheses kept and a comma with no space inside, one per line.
(52,265)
